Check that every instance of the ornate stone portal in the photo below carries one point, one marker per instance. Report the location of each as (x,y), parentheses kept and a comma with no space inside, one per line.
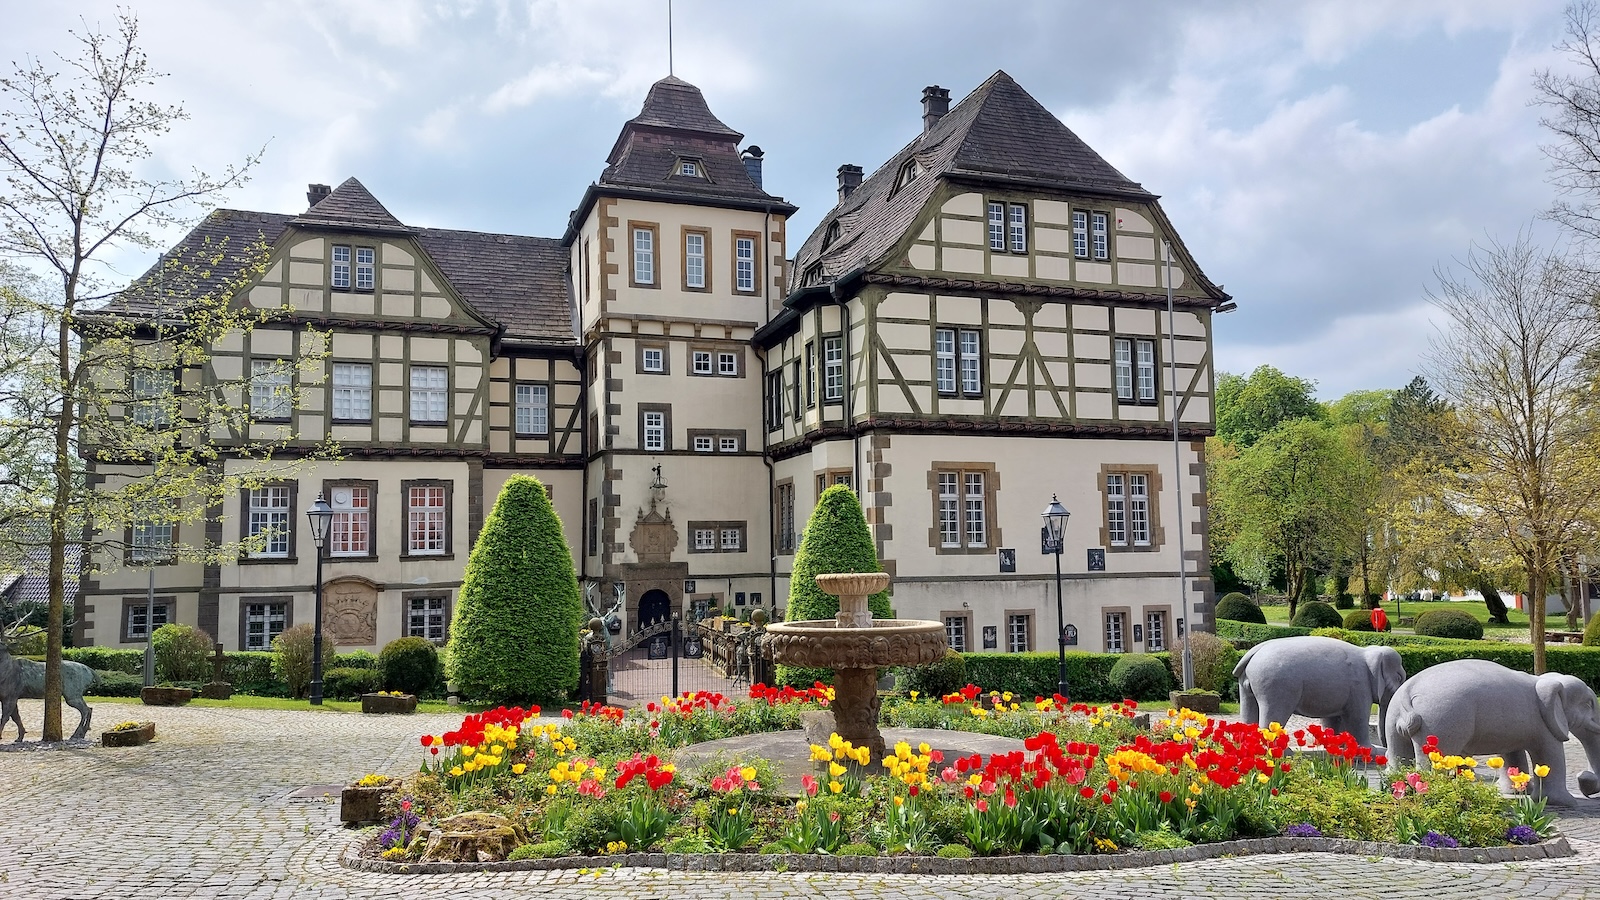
(855,646)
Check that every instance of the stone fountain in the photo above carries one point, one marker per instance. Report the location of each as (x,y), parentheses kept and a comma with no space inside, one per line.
(855,646)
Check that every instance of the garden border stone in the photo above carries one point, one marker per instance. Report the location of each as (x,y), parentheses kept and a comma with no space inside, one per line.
(1554,848)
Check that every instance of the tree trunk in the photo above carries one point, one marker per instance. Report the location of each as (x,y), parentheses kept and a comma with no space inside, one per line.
(1536,591)
(1491,599)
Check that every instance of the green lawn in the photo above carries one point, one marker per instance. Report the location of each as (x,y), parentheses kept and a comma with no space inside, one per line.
(1278,613)
(241,701)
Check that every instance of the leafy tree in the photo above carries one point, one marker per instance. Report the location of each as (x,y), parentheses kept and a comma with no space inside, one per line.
(93,375)
(836,539)
(1367,408)
(1248,408)
(1518,323)
(514,635)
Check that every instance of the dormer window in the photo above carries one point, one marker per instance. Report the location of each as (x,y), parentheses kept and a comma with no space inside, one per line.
(689,168)
(908,174)
(813,275)
(831,235)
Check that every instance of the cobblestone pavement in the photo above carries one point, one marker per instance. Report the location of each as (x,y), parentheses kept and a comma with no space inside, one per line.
(205,812)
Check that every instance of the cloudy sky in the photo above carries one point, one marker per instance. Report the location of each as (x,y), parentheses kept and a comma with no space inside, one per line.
(1319,158)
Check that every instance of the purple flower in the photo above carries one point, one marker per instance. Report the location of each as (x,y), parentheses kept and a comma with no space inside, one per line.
(1435,839)
(398,834)
(1522,834)
(1302,831)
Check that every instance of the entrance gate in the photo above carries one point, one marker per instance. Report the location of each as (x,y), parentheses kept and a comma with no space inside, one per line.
(669,658)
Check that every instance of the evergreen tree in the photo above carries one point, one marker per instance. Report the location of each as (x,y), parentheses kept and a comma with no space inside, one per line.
(836,539)
(515,631)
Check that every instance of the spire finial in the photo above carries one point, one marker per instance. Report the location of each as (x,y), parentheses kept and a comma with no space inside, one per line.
(669,38)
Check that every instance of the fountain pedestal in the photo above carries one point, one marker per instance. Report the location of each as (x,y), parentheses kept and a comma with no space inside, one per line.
(855,646)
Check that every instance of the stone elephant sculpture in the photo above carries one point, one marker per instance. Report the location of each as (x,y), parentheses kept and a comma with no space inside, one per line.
(1476,707)
(1319,677)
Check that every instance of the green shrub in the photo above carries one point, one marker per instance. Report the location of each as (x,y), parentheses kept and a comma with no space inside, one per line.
(339,683)
(1316,614)
(1214,659)
(857,849)
(183,653)
(1358,620)
(1591,631)
(836,539)
(1159,839)
(946,676)
(1034,674)
(954,851)
(515,632)
(356,659)
(1449,623)
(1239,608)
(28,640)
(1309,591)
(410,664)
(1250,635)
(1344,600)
(292,655)
(1139,676)
(541,850)
(115,684)
(251,672)
(109,659)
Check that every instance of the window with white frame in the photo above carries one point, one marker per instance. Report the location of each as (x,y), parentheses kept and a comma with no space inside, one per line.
(1114,632)
(1139,508)
(644,256)
(705,539)
(1155,631)
(533,409)
(139,622)
(365,259)
(426,619)
(1122,363)
(268,524)
(1080,234)
(1116,509)
(702,362)
(653,359)
(732,540)
(689,169)
(694,258)
(350,529)
(1018,627)
(957,361)
(1145,369)
(962,509)
(833,368)
(727,363)
(1130,520)
(703,443)
(744,264)
(944,354)
(341,267)
(655,431)
(430,389)
(1018,222)
(949,509)
(997,226)
(425,519)
(971,363)
(352,392)
(811,374)
(976,519)
(151,390)
(271,397)
(150,542)
(262,623)
(955,633)
(1098,232)
(727,444)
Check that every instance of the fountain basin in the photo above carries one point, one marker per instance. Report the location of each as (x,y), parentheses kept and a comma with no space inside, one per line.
(823,643)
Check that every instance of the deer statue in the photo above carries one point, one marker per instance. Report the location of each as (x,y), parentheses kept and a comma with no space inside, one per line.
(23,679)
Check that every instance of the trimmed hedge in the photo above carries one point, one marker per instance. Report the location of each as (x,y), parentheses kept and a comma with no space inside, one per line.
(1358,620)
(1316,614)
(946,676)
(115,684)
(1245,635)
(355,659)
(1141,677)
(1591,631)
(514,637)
(107,659)
(249,671)
(1034,674)
(1449,623)
(340,683)
(836,539)
(1239,608)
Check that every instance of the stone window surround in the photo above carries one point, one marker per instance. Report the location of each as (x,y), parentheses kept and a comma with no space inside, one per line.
(991,487)
(683,246)
(169,601)
(244,606)
(295,513)
(718,526)
(716,435)
(735,348)
(127,547)
(1158,535)
(449,517)
(666,425)
(372,517)
(755,262)
(655,249)
(405,610)
(966,616)
(639,346)
(1166,631)
(1005,629)
(827,478)
(1127,629)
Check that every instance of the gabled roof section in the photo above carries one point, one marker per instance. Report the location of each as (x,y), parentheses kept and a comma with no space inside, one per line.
(350,205)
(519,282)
(193,269)
(1000,133)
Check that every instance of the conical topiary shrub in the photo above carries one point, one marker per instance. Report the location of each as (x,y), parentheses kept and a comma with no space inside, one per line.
(514,636)
(836,539)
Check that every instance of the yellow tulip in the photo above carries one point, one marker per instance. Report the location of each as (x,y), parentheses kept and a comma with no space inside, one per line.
(1541,771)
(748,773)
(455,772)
(1194,788)
(551,790)
(899,801)
(468,750)
(1494,762)
(800,807)
(835,786)
(519,768)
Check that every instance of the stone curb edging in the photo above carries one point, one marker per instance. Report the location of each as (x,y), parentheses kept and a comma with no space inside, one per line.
(1555,848)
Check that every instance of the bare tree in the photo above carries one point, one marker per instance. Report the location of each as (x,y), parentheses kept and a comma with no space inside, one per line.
(1572,113)
(1518,321)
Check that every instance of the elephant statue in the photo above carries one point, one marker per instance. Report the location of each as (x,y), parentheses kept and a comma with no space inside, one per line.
(1477,707)
(1321,677)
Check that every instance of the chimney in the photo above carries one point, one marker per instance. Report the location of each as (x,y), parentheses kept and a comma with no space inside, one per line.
(935,103)
(316,192)
(849,180)
(751,157)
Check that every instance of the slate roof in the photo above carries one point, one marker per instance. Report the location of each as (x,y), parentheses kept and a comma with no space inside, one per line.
(26,578)
(676,124)
(999,132)
(515,281)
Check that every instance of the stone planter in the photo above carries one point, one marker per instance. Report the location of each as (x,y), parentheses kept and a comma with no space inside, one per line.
(138,737)
(216,690)
(1207,703)
(165,696)
(386,703)
(363,804)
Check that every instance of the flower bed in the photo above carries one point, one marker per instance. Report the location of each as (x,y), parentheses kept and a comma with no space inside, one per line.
(128,734)
(602,783)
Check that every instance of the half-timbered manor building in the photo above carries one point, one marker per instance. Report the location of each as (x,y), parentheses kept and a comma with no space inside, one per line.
(976,326)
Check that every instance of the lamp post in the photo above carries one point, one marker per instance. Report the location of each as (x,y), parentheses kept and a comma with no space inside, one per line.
(1055,523)
(320,515)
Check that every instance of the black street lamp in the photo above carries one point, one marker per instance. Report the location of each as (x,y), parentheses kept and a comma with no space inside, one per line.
(1055,523)
(320,515)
